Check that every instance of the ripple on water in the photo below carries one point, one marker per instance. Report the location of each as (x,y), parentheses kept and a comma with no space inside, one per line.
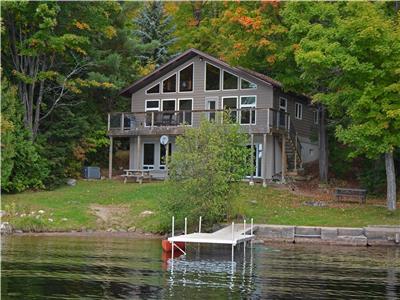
(119,268)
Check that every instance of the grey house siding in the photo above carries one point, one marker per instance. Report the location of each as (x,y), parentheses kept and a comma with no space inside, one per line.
(264,92)
(267,96)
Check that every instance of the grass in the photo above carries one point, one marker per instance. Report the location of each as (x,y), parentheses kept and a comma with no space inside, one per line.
(69,208)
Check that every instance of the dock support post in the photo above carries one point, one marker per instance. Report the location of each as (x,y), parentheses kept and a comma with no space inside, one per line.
(110,158)
(185,226)
(252,160)
(200,224)
(251,233)
(233,239)
(173,233)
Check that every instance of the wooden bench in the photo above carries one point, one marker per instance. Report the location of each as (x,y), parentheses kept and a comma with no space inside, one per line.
(340,193)
(138,174)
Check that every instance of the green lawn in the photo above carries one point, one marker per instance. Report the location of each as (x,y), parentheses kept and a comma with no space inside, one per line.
(69,208)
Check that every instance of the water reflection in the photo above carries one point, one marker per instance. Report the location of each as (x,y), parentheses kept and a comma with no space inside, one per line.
(123,268)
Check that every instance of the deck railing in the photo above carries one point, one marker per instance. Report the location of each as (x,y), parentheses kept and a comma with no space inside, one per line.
(264,118)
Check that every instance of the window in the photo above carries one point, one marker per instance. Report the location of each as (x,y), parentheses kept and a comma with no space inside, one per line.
(186,79)
(316,117)
(299,111)
(230,81)
(154,90)
(211,104)
(282,104)
(247,85)
(246,103)
(212,78)
(230,103)
(168,105)
(151,106)
(163,152)
(148,156)
(169,84)
(185,116)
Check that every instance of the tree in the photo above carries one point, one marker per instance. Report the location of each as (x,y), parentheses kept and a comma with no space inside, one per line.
(206,167)
(354,49)
(46,51)
(154,34)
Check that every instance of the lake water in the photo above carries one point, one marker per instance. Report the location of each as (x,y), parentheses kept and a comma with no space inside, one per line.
(127,268)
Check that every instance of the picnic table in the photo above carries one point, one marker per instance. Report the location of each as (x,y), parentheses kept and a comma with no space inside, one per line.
(138,174)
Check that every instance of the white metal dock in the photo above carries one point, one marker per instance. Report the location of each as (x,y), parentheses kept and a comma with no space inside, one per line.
(233,235)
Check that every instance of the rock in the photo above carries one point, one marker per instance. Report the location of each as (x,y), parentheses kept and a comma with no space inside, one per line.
(2,213)
(71,182)
(41,211)
(18,231)
(122,230)
(132,229)
(329,233)
(254,202)
(23,215)
(50,220)
(314,203)
(146,213)
(111,230)
(64,219)
(5,228)
(37,216)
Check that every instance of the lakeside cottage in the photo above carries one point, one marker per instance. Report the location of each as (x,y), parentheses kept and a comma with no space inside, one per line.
(282,126)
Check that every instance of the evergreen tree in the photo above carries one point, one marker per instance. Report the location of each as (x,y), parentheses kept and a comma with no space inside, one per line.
(153,34)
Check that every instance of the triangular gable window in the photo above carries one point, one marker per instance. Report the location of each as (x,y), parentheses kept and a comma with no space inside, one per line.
(247,85)
(154,90)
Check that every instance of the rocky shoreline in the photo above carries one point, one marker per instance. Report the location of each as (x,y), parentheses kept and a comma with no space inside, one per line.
(365,236)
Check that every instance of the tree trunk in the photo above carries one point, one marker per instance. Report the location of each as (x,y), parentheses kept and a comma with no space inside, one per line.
(391,181)
(323,145)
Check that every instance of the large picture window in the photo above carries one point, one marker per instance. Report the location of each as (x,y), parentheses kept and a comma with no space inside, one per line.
(148,156)
(163,154)
(230,103)
(212,78)
(186,79)
(151,106)
(185,116)
(154,90)
(169,84)
(247,85)
(247,116)
(230,81)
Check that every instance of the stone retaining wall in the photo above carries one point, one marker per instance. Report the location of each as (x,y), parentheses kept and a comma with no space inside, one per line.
(366,236)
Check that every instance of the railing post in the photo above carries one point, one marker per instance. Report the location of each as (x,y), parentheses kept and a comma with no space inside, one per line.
(251,115)
(268,124)
(122,121)
(288,125)
(200,224)
(152,119)
(108,121)
(184,117)
(252,160)
(185,226)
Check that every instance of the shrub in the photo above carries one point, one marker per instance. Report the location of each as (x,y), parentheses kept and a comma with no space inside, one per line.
(205,170)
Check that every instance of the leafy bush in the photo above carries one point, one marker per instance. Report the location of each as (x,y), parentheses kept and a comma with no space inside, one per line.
(205,169)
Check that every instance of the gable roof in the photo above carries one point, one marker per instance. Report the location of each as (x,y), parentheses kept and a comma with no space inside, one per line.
(185,56)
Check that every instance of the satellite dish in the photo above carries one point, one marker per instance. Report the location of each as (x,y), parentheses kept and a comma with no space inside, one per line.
(164,139)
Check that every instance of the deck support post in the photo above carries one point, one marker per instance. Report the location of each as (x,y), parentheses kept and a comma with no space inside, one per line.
(283,158)
(110,158)
(295,154)
(252,160)
(138,156)
(264,160)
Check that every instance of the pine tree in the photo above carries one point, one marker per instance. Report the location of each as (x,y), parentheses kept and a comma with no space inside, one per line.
(153,34)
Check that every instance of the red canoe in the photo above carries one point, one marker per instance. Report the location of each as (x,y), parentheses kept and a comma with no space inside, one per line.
(167,246)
